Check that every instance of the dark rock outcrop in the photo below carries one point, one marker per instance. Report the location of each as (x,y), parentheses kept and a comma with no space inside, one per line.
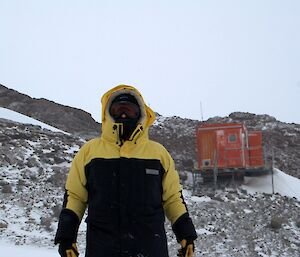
(63,117)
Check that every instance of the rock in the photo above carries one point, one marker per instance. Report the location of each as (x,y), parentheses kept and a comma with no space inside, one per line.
(7,189)
(63,117)
(276,223)
(3,224)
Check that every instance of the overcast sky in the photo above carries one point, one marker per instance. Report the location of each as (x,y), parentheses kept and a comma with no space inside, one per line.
(229,55)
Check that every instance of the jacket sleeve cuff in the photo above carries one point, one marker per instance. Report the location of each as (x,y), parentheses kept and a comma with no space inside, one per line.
(183,228)
(67,227)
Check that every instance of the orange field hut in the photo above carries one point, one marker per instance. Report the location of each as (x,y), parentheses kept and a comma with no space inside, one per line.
(229,149)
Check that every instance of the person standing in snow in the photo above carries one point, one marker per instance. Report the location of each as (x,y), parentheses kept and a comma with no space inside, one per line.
(129,184)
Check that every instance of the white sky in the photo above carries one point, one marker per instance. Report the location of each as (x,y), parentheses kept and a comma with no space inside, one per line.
(230,55)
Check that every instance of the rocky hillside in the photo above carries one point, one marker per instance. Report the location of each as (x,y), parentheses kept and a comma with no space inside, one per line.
(178,135)
(33,167)
(66,118)
(175,133)
(229,222)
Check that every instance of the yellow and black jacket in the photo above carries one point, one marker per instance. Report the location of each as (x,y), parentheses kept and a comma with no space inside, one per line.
(128,187)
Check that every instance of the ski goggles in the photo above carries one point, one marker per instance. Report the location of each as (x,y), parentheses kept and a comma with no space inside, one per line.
(124,110)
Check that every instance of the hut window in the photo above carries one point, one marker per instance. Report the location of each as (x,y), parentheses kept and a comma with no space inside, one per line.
(232,138)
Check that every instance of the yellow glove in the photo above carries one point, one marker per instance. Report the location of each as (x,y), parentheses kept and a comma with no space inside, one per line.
(187,248)
(67,249)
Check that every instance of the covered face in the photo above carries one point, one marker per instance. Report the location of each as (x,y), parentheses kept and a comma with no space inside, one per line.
(124,107)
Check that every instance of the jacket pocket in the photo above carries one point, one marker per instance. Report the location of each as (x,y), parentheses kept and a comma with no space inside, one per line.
(153,189)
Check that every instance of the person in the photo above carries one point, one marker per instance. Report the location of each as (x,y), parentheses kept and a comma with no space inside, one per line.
(129,184)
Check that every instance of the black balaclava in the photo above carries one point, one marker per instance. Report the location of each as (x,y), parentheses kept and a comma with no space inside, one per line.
(125,101)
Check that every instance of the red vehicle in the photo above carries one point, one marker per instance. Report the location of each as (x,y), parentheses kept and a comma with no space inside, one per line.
(229,148)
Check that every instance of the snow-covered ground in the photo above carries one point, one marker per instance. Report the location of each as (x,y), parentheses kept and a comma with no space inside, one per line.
(284,184)
(230,222)
(18,117)
(10,250)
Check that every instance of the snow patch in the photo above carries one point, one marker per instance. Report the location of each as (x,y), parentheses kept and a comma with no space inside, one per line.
(203,231)
(26,251)
(247,211)
(159,120)
(284,184)
(18,117)
(198,199)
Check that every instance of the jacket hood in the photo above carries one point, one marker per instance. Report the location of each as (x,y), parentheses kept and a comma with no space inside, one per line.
(108,124)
